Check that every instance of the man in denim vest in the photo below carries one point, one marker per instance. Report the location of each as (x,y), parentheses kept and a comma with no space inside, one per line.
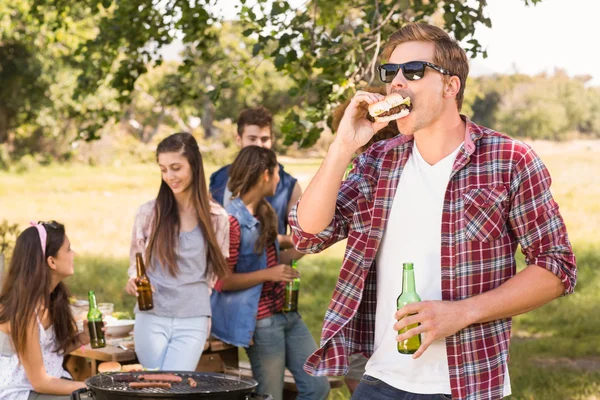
(255,128)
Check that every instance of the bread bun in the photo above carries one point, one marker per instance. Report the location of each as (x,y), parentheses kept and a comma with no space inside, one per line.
(389,102)
(109,366)
(132,367)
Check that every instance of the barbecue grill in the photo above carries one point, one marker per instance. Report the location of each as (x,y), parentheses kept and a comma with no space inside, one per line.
(209,386)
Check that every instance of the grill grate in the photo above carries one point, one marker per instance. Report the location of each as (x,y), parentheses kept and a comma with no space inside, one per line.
(206,383)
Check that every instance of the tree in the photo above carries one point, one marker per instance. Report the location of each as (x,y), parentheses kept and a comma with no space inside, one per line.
(38,74)
(326,47)
(330,48)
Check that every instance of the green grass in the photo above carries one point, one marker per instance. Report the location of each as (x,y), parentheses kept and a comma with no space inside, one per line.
(555,352)
(567,329)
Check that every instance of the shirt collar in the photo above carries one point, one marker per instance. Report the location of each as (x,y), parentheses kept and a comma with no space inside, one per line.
(473,132)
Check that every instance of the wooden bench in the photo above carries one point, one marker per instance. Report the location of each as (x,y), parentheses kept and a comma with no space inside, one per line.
(290,390)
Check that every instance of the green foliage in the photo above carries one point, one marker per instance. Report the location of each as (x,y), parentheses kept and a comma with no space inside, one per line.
(325,47)
(329,48)
(68,68)
(538,107)
(22,86)
(8,236)
(5,158)
(38,76)
(106,276)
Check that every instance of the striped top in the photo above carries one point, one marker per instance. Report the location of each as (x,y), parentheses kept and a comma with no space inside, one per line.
(272,296)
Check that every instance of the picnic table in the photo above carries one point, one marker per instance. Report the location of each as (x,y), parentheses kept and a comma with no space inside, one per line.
(217,357)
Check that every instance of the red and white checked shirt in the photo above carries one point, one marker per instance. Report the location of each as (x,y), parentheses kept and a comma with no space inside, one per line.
(498,197)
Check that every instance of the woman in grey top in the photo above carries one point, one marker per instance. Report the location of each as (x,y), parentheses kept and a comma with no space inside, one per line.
(184,237)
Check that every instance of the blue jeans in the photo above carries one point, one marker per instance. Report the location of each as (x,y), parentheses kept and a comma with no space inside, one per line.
(371,388)
(280,341)
(170,344)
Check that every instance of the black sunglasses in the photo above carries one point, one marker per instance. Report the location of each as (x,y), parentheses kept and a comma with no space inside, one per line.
(412,70)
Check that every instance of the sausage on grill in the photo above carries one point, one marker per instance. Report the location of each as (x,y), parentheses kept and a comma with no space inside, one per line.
(160,377)
(143,385)
(123,378)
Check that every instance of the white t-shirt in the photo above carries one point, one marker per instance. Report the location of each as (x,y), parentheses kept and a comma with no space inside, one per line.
(413,234)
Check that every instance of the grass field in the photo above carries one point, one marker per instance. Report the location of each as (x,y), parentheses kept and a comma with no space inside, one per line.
(555,353)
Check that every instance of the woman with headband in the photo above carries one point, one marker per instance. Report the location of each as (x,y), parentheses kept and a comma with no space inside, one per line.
(36,324)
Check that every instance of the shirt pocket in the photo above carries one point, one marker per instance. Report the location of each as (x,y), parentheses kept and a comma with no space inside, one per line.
(485,211)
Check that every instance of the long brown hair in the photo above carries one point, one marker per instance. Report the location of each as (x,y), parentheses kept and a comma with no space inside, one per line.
(27,286)
(244,174)
(165,230)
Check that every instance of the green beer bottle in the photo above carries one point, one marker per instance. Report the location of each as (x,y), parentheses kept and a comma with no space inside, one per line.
(408,295)
(291,292)
(95,323)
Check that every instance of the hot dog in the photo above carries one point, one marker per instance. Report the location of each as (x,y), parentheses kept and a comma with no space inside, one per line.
(160,377)
(143,385)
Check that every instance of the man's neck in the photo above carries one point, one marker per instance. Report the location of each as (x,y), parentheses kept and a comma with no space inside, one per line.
(441,138)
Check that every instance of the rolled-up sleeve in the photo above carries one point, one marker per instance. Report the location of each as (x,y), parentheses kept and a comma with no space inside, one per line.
(141,225)
(338,227)
(220,222)
(536,222)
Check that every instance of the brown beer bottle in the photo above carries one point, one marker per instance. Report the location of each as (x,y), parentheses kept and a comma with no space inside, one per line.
(144,288)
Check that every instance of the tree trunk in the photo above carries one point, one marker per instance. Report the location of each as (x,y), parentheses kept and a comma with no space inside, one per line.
(208,115)
(1,268)
(148,136)
(182,125)
(4,120)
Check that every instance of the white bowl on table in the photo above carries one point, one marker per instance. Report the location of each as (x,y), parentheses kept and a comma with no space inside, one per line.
(119,327)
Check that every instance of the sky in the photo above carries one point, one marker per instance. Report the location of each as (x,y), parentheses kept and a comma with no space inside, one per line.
(532,39)
(554,33)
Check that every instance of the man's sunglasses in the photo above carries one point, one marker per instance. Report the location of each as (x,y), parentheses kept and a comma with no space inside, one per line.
(412,70)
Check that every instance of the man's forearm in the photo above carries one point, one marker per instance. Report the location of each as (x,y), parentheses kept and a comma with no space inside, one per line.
(529,289)
(317,206)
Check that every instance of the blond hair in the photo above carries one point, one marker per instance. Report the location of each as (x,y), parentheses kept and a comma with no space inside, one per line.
(447,54)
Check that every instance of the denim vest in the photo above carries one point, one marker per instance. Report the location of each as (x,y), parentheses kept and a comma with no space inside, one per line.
(279,202)
(234,312)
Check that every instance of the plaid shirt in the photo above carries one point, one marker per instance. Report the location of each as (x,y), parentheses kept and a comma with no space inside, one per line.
(498,197)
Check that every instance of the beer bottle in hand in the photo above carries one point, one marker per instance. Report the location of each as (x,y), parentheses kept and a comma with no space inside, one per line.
(95,323)
(291,292)
(144,288)
(408,295)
